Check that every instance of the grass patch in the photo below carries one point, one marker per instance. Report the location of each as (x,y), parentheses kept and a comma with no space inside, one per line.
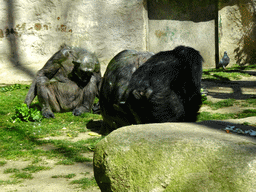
(35,168)
(220,104)
(232,73)
(22,139)
(204,116)
(11,170)
(8,182)
(69,176)
(2,163)
(22,175)
(85,183)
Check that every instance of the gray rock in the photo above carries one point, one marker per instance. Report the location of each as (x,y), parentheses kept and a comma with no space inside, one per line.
(175,157)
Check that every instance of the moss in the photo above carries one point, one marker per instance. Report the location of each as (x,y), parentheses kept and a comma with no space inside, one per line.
(199,165)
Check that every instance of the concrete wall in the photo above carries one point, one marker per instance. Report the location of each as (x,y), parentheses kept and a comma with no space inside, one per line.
(167,34)
(31,31)
(237,31)
(190,23)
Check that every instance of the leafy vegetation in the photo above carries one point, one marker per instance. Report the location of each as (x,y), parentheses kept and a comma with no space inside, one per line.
(25,135)
(23,113)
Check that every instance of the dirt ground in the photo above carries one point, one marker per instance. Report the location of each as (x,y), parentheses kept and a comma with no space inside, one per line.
(43,181)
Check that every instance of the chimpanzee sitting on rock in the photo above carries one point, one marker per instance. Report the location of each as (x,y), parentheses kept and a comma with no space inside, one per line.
(114,84)
(166,88)
(69,80)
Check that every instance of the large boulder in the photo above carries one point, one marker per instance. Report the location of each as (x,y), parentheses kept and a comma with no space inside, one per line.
(176,157)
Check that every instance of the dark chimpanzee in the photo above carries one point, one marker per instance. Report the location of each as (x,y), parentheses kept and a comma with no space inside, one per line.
(166,88)
(114,85)
(69,80)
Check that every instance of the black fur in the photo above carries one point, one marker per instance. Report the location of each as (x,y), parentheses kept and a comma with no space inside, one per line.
(114,85)
(166,88)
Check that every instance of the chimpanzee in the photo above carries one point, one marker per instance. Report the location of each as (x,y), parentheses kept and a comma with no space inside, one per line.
(69,80)
(166,88)
(114,85)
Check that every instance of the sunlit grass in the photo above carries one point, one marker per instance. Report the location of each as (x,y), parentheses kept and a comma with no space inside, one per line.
(232,73)
(204,116)
(85,183)
(23,139)
(220,104)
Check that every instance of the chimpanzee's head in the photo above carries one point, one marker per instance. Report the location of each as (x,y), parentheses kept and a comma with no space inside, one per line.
(85,62)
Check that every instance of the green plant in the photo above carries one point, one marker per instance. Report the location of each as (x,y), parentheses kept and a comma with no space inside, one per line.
(204,97)
(10,87)
(23,113)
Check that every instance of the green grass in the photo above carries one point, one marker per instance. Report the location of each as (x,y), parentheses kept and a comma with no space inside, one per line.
(85,182)
(204,116)
(35,168)
(232,73)
(25,140)
(11,170)
(22,175)
(68,176)
(2,163)
(220,104)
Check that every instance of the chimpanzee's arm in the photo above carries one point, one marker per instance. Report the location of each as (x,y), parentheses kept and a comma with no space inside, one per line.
(89,93)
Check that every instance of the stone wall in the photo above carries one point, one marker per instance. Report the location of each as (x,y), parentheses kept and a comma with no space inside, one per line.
(167,34)
(190,23)
(237,34)
(31,31)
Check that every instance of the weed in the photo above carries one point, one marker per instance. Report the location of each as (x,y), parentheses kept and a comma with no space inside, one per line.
(23,113)
(10,87)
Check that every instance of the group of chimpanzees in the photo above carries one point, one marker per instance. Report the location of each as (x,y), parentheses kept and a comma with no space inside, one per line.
(137,87)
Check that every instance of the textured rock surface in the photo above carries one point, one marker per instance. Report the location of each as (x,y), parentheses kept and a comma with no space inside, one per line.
(175,157)
(31,30)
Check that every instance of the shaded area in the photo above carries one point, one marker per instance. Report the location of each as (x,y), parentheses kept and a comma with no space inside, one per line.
(221,125)
(186,10)
(94,125)
(12,36)
(214,90)
(245,53)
